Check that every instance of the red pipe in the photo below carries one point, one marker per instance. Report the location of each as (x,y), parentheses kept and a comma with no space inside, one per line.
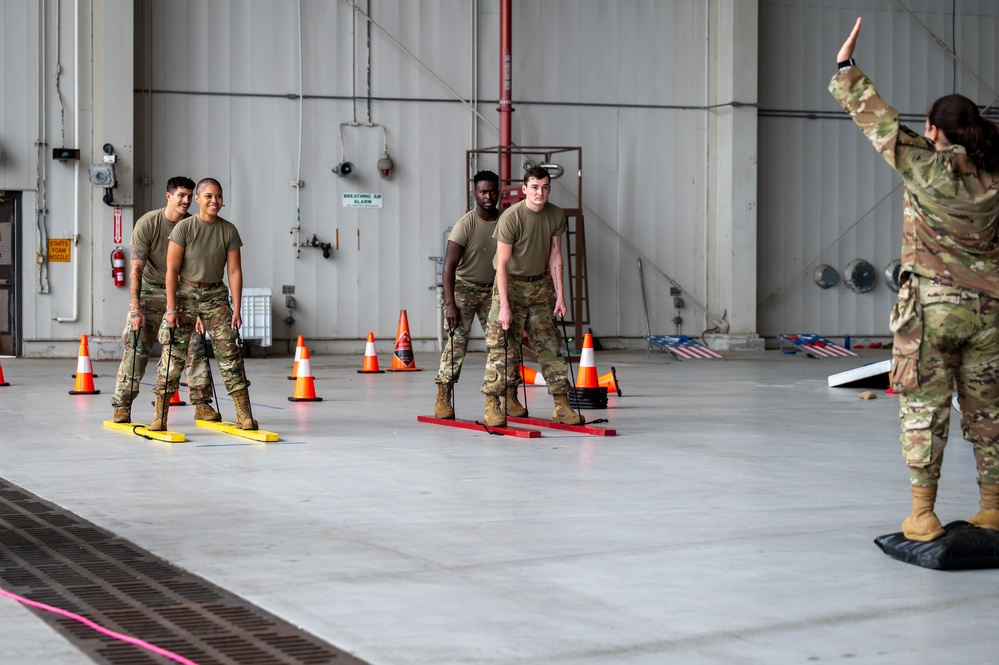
(506,85)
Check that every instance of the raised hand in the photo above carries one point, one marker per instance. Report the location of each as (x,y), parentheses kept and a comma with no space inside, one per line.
(846,50)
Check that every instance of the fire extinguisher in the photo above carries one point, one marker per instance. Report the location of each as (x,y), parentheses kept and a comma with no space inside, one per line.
(118,266)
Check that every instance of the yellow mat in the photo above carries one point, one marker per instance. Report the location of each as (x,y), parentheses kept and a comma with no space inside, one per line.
(143,430)
(233,428)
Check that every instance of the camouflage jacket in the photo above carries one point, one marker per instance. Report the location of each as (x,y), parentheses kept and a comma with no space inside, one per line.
(950,232)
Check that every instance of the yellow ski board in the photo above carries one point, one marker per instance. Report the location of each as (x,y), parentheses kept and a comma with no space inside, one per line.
(143,430)
(233,428)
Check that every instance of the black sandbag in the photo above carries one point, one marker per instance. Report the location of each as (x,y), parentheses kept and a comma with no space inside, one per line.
(962,547)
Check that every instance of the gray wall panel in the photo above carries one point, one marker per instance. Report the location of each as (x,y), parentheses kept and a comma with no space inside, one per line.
(818,176)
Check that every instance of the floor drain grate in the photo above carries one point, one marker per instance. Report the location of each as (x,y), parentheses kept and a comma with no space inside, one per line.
(54,557)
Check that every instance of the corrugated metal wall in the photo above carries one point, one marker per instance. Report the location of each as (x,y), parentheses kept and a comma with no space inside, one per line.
(216,97)
(820,181)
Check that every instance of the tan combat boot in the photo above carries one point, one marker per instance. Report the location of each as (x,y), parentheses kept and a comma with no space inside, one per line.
(123,414)
(563,412)
(241,398)
(513,406)
(204,411)
(922,525)
(160,412)
(443,408)
(988,514)
(494,416)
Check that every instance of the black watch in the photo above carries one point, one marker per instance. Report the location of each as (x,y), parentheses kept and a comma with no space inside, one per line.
(849,62)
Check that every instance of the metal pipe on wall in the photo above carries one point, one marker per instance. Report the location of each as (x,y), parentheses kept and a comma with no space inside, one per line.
(76,169)
(506,84)
(41,267)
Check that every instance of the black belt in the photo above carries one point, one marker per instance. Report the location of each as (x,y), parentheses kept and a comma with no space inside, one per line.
(200,285)
(521,278)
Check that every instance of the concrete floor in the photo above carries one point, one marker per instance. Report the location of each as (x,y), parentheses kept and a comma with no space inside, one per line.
(731,521)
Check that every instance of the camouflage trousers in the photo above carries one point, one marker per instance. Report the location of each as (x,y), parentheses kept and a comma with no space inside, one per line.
(952,340)
(152,302)
(531,305)
(472,301)
(212,305)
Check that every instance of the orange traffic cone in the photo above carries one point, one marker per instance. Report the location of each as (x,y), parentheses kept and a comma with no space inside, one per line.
(370,358)
(84,372)
(175,400)
(305,386)
(609,381)
(2,382)
(298,357)
(402,357)
(586,377)
(531,377)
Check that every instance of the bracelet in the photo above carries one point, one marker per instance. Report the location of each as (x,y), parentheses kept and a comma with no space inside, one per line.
(849,62)
(172,311)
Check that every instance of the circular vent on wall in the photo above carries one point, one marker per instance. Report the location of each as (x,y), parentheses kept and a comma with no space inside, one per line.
(826,276)
(891,274)
(860,276)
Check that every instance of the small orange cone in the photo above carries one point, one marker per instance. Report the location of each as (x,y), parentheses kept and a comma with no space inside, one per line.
(402,357)
(609,381)
(2,382)
(298,356)
(370,358)
(305,386)
(586,377)
(84,372)
(531,377)
(175,400)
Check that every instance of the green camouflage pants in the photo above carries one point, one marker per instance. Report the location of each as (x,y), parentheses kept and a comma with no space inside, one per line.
(957,332)
(212,305)
(531,305)
(152,301)
(472,301)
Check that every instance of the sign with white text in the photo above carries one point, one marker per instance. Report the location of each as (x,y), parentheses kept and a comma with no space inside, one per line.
(357,200)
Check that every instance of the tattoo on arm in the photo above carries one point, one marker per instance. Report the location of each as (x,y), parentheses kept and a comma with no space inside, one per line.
(139,255)
(138,266)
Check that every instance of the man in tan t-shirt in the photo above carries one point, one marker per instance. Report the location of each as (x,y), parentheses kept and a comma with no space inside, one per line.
(528,250)
(468,288)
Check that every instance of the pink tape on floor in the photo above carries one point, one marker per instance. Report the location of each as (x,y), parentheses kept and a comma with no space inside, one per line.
(101,629)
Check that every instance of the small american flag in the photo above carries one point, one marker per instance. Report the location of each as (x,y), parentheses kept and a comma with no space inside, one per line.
(685,348)
(817,347)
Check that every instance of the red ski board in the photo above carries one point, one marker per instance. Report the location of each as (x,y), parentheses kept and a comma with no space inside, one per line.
(471,424)
(583,429)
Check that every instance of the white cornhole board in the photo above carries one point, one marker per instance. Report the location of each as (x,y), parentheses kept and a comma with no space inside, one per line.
(871,375)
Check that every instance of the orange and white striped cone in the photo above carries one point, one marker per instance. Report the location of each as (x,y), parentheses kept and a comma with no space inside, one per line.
(402,356)
(370,358)
(610,382)
(587,394)
(305,385)
(586,377)
(298,357)
(84,372)
(2,382)
(531,377)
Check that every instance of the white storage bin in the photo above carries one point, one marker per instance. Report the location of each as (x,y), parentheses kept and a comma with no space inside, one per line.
(256,313)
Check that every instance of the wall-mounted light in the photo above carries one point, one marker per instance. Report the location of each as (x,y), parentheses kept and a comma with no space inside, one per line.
(385,165)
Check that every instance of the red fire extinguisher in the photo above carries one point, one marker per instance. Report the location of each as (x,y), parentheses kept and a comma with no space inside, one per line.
(118,266)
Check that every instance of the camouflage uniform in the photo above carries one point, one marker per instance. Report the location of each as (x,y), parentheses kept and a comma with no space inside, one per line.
(946,319)
(531,311)
(212,305)
(153,304)
(150,236)
(472,301)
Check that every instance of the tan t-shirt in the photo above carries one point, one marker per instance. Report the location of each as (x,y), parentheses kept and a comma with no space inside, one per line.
(530,233)
(476,236)
(206,247)
(151,234)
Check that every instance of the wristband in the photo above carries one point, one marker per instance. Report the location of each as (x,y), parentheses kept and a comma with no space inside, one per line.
(172,311)
(849,62)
